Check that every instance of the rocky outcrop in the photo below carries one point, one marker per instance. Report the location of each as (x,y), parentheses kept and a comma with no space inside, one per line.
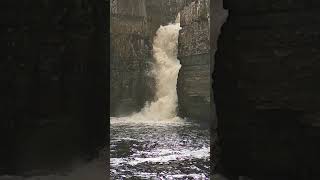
(53,82)
(130,57)
(194,54)
(163,12)
(266,90)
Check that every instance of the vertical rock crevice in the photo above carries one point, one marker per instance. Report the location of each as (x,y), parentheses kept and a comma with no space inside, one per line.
(218,16)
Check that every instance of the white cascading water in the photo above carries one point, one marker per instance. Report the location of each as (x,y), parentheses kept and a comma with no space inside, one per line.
(156,136)
(165,72)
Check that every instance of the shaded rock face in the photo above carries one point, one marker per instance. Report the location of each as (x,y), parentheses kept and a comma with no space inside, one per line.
(266,90)
(53,88)
(194,54)
(133,27)
(218,17)
(130,55)
(163,12)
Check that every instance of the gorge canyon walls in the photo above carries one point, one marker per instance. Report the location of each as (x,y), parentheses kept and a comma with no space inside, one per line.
(133,27)
(266,89)
(130,56)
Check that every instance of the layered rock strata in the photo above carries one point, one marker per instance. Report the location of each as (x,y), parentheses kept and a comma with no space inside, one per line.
(194,55)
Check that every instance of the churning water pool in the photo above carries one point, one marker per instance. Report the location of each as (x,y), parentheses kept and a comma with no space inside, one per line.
(161,150)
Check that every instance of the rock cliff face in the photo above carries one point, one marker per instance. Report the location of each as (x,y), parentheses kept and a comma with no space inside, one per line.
(130,56)
(53,66)
(163,12)
(266,90)
(194,55)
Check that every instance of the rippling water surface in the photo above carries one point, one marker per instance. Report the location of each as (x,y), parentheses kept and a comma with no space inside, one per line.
(163,150)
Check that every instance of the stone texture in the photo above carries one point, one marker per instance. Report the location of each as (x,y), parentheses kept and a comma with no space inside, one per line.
(136,8)
(194,77)
(217,18)
(265,89)
(130,56)
(163,12)
(53,67)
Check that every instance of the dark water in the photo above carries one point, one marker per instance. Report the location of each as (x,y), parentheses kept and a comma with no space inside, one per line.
(165,150)
(145,150)
(94,170)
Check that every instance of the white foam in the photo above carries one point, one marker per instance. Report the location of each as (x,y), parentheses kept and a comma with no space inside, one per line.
(165,72)
(163,156)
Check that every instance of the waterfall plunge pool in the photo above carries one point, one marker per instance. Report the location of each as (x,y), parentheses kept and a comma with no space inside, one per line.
(163,150)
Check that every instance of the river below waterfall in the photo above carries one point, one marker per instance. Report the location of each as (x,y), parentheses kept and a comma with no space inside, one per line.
(155,143)
(163,150)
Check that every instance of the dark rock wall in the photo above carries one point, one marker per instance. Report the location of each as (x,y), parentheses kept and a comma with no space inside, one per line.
(266,90)
(163,12)
(218,16)
(53,67)
(194,54)
(130,57)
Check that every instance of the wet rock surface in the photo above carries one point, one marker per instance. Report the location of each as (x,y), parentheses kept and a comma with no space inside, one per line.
(194,55)
(265,89)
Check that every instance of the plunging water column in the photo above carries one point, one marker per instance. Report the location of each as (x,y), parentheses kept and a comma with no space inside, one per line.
(165,72)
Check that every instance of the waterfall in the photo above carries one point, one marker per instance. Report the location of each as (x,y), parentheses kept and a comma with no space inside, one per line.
(165,72)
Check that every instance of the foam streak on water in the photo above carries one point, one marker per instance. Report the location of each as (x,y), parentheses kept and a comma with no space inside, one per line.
(157,151)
